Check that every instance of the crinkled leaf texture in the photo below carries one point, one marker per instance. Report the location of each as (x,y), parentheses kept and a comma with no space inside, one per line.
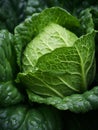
(11,13)
(76,103)
(21,117)
(35,7)
(53,36)
(86,20)
(9,94)
(7,56)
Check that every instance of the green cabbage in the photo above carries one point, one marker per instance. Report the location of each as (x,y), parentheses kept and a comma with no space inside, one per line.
(55,61)
(50,59)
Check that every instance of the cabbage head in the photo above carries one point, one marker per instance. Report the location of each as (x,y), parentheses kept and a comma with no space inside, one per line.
(55,61)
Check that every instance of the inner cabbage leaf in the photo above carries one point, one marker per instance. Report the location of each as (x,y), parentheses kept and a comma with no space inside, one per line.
(53,36)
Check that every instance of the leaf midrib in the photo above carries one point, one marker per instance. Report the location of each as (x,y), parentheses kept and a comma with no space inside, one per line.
(83,75)
(68,85)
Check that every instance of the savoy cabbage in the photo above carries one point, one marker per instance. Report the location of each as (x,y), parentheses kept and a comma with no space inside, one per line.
(48,66)
(54,61)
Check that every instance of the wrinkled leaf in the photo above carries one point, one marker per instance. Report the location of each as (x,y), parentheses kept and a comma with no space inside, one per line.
(53,36)
(21,117)
(86,20)
(9,94)
(33,6)
(7,56)
(76,103)
(11,13)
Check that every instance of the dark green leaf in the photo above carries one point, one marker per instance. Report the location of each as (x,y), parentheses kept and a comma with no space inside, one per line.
(86,20)
(76,103)
(7,56)
(9,94)
(23,118)
(35,6)
(11,13)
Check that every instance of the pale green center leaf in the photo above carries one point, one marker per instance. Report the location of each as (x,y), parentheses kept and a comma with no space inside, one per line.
(53,36)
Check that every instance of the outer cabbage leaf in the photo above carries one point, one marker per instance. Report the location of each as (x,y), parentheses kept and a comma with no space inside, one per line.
(94,12)
(33,6)
(75,65)
(22,118)
(7,56)
(76,102)
(32,26)
(74,7)
(11,13)
(89,19)
(9,94)
(86,20)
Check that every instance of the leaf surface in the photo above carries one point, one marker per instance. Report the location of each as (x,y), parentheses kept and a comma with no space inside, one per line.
(7,56)
(76,103)
(9,94)
(22,117)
